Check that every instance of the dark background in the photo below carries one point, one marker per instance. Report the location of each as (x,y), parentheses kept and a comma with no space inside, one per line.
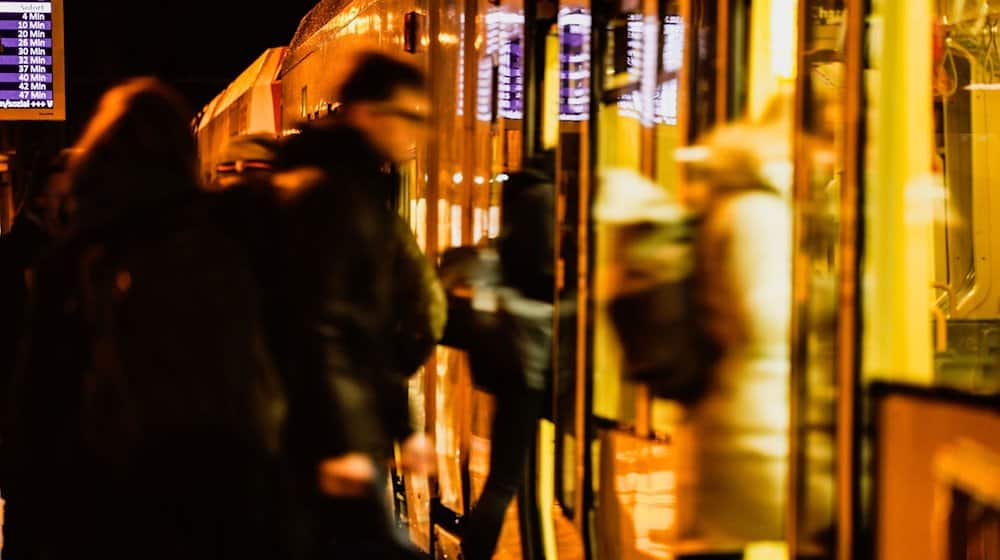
(199,46)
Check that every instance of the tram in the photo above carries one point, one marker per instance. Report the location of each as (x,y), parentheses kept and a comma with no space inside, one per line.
(886,142)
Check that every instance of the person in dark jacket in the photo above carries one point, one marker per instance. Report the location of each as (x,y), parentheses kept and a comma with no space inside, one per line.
(148,411)
(35,226)
(366,306)
(506,326)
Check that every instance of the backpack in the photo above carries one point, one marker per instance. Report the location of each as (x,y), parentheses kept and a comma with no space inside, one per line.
(177,344)
(658,315)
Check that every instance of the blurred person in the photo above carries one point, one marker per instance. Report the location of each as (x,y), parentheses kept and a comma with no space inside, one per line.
(502,314)
(246,158)
(366,306)
(735,440)
(148,411)
(36,225)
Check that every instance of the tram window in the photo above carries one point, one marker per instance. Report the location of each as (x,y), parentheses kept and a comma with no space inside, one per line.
(955,253)
(931,292)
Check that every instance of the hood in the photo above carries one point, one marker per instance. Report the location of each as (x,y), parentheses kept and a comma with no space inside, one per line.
(344,155)
(332,147)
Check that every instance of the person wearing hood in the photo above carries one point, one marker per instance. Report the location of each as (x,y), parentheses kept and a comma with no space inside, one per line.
(147,409)
(366,307)
(735,439)
(501,313)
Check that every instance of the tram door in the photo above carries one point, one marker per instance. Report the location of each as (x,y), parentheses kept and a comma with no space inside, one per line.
(823,202)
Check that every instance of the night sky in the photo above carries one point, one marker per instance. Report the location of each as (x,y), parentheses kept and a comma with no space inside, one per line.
(198,46)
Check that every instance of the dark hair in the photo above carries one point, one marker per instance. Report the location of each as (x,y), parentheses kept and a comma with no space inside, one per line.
(527,241)
(139,136)
(377,76)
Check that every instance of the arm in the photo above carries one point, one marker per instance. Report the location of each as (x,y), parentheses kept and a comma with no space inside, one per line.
(336,284)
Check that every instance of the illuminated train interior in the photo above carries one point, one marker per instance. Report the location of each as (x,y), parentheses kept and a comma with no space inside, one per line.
(875,122)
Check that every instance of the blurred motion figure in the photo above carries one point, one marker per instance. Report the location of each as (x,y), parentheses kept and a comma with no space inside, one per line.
(366,306)
(738,444)
(148,411)
(501,313)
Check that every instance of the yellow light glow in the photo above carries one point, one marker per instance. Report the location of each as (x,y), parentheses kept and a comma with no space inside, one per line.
(784,37)
(448,38)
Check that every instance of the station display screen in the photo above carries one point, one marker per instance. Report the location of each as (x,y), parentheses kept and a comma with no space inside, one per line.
(32,83)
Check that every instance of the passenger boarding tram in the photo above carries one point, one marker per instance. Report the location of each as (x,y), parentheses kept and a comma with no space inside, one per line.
(882,136)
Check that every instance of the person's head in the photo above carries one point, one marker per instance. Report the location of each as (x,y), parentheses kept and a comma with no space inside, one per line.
(528,233)
(246,158)
(733,158)
(386,99)
(139,135)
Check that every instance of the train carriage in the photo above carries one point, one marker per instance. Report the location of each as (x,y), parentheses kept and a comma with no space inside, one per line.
(248,106)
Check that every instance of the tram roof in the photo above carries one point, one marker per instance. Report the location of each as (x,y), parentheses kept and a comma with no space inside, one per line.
(261,72)
(311,27)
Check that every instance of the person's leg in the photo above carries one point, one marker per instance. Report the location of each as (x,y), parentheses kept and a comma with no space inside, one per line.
(513,434)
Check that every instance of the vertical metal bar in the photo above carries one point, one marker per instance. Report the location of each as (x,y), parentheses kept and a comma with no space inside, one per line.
(470,155)
(433,193)
(686,76)
(583,364)
(647,163)
(529,66)
(800,280)
(849,297)
(723,51)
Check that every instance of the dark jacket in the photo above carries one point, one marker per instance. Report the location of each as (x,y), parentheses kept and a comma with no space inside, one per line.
(367,308)
(18,251)
(148,409)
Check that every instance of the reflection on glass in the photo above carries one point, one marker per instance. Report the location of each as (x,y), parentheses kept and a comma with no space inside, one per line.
(574,57)
(672,59)
(967,108)
(818,210)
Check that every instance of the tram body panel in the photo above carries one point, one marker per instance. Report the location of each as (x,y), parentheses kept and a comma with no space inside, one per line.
(248,106)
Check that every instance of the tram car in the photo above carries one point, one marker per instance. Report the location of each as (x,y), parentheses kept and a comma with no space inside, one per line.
(251,104)
(882,127)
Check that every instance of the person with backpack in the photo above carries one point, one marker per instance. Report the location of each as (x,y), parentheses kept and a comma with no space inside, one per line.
(364,306)
(736,436)
(147,409)
(501,314)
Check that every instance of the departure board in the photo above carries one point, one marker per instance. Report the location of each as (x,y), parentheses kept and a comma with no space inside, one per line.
(31,61)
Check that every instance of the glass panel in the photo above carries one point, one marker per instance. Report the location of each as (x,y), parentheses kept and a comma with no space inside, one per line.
(933,303)
(818,260)
(619,176)
(574,24)
(967,106)
(931,299)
